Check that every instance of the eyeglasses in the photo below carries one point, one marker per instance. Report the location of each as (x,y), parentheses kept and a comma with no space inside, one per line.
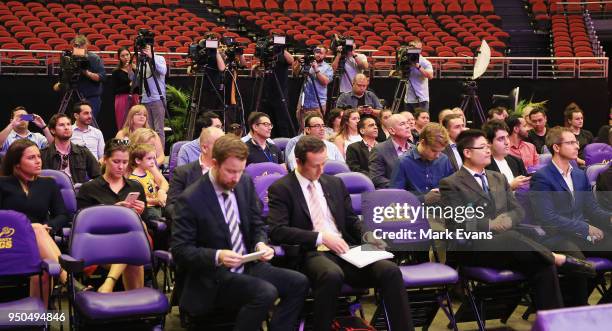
(316,126)
(121,142)
(481,147)
(266,124)
(573,142)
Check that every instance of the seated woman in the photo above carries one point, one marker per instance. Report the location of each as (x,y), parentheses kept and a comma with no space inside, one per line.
(137,119)
(39,198)
(348,130)
(112,188)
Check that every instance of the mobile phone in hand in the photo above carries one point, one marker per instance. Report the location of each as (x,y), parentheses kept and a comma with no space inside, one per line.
(27,117)
(132,196)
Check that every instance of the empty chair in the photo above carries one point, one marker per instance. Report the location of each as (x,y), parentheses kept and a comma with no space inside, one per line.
(597,153)
(173,158)
(578,318)
(262,184)
(256,170)
(333,167)
(594,170)
(356,183)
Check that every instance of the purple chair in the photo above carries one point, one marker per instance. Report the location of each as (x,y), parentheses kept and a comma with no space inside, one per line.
(429,281)
(594,170)
(66,188)
(173,158)
(256,170)
(544,158)
(19,259)
(261,187)
(578,318)
(597,153)
(281,143)
(356,183)
(119,231)
(333,167)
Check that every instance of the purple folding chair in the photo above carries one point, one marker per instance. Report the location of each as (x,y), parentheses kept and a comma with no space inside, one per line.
(281,143)
(544,158)
(577,318)
(356,183)
(261,187)
(19,259)
(173,158)
(333,167)
(66,188)
(256,170)
(429,281)
(594,170)
(106,235)
(597,153)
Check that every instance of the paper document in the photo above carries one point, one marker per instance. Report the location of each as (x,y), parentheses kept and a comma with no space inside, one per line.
(252,256)
(363,257)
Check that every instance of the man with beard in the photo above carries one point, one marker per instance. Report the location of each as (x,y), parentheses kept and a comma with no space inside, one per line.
(75,161)
(319,75)
(518,146)
(83,134)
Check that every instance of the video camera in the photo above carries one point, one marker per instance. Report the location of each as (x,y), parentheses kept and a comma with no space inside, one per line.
(346,43)
(203,51)
(144,38)
(232,48)
(71,66)
(267,49)
(406,57)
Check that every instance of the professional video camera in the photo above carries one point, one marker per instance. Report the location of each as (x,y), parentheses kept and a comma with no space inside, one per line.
(232,48)
(267,49)
(406,57)
(346,43)
(71,66)
(144,38)
(201,52)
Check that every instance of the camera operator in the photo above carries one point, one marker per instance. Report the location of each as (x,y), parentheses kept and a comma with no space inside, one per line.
(153,102)
(213,66)
(319,74)
(421,71)
(89,82)
(354,63)
(233,56)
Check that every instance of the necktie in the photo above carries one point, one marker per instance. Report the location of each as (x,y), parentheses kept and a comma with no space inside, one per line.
(485,187)
(232,221)
(316,212)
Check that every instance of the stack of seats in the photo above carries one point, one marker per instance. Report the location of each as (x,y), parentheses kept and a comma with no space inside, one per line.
(570,39)
(34,26)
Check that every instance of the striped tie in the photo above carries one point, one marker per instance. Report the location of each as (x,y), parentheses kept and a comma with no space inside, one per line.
(316,212)
(232,222)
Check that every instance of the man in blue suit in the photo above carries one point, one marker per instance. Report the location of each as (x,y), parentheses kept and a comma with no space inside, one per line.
(564,204)
(217,221)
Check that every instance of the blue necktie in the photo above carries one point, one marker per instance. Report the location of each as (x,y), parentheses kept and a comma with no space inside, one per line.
(236,236)
(485,187)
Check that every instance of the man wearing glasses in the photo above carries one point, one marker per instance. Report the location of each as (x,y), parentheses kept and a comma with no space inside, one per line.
(315,126)
(319,75)
(259,149)
(74,160)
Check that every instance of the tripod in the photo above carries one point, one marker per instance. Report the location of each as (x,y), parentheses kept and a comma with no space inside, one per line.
(338,75)
(471,96)
(237,106)
(141,80)
(307,77)
(70,92)
(196,99)
(259,85)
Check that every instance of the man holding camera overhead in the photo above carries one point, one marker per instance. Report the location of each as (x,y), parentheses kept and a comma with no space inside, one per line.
(353,63)
(421,71)
(90,81)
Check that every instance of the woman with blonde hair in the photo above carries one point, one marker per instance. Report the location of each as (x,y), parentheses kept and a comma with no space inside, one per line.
(149,137)
(136,118)
(348,130)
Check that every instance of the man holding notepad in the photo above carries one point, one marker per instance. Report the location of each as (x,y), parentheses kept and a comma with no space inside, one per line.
(314,211)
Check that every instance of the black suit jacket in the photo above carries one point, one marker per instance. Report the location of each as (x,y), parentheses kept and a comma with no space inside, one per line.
(448,151)
(357,157)
(199,230)
(289,218)
(383,160)
(516,165)
(182,177)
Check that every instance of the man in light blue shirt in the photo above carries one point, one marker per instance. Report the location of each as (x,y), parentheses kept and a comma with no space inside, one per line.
(83,133)
(190,151)
(417,91)
(18,129)
(152,99)
(319,75)
(314,126)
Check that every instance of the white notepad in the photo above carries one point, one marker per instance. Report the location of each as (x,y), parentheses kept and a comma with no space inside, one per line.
(361,258)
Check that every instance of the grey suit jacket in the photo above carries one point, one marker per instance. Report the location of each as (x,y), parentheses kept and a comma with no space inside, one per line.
(383,160)
(182,177)
(462,189)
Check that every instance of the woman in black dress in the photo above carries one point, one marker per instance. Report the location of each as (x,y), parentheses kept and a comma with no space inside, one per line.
(122,78)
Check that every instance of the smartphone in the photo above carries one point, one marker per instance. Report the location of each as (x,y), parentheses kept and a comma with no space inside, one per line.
(27,117)
(132,196)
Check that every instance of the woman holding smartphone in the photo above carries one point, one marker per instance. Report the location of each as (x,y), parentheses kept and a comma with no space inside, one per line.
(113,188)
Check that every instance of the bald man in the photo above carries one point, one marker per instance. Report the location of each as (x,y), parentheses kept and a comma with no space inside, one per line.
(384,157)
(360,97)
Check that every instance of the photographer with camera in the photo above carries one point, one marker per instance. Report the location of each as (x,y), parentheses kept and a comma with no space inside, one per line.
(83,71)
(154,82)
(354,63)
(276,62)
(419,73)
(209,61)
(317,74)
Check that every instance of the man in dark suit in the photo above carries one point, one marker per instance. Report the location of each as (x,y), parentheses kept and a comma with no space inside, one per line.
(313,210)
(454,124)
(384,157)
(508,165)
(358,153)
(217,222)
(507,248)
(189,173)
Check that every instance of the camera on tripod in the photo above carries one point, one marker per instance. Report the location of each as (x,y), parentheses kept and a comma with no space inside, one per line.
(406,57)
(203,51)
(232,48)
(144,38)
(268,49)
(345,43)
(71,66)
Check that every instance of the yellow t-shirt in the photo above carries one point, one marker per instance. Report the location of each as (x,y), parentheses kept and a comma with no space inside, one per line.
(148,184)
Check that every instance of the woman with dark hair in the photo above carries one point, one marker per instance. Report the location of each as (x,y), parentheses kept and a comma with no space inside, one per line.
(348,130)
(39,198)
(332,122)
(122,78)
(112,188)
